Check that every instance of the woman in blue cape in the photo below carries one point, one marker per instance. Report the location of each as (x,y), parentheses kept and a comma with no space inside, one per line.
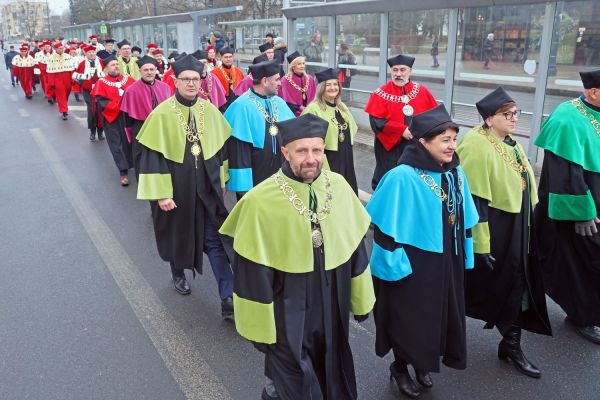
(422,213)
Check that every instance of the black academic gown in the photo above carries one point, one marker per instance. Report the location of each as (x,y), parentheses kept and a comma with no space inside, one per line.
(385,160)
(264,162)
(311,358)
(119,146)
(422,317)
(571,263)
(342,160)
(198,195)
(513,293)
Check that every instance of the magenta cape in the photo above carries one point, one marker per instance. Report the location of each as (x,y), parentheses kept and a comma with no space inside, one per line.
(217,92)
(244,85)
(137,100)
(292,95)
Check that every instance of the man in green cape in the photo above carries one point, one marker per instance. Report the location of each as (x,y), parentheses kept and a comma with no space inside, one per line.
(300,268)
(182,173)
(567,214)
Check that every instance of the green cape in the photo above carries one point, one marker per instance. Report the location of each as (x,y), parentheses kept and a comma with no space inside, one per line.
(134,69)
(163,133)
(489,176)
(570,135)
(331,140)
(268,230)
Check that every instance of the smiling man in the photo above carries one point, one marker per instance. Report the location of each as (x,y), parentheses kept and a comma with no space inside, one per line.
(390,110)
(298,275)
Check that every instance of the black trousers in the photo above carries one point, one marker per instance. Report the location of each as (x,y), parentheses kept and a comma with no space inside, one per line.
(92,117)
(120,148)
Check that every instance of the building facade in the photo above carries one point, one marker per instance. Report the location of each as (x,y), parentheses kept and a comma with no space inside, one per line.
(24,19)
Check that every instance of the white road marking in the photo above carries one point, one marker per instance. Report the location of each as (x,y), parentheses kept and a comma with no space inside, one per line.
(24,113)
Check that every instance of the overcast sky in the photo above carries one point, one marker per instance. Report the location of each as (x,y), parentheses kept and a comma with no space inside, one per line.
(58,6)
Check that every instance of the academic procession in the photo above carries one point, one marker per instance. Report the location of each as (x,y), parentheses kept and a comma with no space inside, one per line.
(466,221)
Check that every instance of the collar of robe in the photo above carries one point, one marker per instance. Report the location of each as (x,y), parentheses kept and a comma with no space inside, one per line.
(183,101)
(149,83)
(416,155)
(258,95)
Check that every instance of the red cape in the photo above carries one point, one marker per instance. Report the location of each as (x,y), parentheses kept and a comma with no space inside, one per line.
(101,88)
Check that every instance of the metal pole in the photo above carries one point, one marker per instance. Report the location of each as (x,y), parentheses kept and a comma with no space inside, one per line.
(154,7)
(331,54)
(285,31)
(542,78)
(451,58)
(383,47)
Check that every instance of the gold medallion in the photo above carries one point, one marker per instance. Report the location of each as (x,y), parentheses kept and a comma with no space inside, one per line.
(273,130)
(317,238)
(341,136)
(196,150)
(523,183)
(408,110)
(452,219)
(303,96)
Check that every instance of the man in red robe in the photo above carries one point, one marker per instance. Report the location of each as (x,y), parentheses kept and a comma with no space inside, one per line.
(22,68)
(390,110)
(60,68)
(106,95)
(41,58)
(87,74)
(229,75)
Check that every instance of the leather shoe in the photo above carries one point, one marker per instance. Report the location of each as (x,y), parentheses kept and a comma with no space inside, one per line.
(424,379)
(227,308)
(124,181)
(590,332)
(100,136)
(266,396)
(181,285)
(405,383)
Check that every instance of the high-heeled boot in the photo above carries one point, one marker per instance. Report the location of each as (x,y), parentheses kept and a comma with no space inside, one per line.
(510,349)
(404,381)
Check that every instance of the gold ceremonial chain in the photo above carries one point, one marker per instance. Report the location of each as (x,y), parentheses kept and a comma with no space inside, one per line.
(430,182)
(399,99)
(118,84)
(273,130)
(581,108)
(193,136)
(295,85)
(341,127)
(226,75)
(210,83)
(514,164)
(298,204)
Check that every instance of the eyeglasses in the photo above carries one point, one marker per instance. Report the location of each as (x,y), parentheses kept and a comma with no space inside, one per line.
(511,114)
(187,81)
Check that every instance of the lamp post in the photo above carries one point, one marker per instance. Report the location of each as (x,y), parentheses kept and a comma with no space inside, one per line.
(48,16)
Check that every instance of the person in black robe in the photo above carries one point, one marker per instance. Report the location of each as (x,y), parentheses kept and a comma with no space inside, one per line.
(506,287)
(567,216)
(421,248)
(294,305)
(184,179)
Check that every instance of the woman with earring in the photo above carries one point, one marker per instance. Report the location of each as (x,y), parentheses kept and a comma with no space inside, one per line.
(297,87)
(505,288)
(342,126)
(422,212)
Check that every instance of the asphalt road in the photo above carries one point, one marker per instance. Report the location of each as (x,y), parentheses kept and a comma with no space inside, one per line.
(87,308)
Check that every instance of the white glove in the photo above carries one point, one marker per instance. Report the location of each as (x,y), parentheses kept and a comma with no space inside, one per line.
(587,228)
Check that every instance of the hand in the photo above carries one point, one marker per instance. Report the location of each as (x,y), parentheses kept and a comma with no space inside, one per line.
(587,228)
(167,204)
(361,318)
(485,259)
(407,134)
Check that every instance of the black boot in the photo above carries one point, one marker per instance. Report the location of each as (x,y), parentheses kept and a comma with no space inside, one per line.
(510,349)
(227,308)
(92,135)
(100,134)
(65,116)
(404,381)
(424,379)
(179,281)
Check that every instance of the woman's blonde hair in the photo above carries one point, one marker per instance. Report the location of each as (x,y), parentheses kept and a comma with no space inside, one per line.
(295,63)
(320,97)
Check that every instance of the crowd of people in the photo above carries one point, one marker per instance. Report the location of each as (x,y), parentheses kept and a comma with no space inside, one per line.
(460,229)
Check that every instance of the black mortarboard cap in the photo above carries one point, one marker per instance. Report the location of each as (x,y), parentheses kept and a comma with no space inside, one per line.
(401,60)
(293,56)
(200,55)
(590,79)
(226,50)
(146,60)
(259,59)
(187,63)
(431,123)
(173,54)
(123,42)
(303,127)
(492,102)
(136,48)
(109,59)
(109,40)
(264,47)
(325,75)
(264,69)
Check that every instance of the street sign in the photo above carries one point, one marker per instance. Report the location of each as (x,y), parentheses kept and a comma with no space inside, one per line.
(103,29)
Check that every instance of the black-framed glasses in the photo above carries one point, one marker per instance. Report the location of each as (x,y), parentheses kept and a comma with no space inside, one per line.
(508,115)
(187,81)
